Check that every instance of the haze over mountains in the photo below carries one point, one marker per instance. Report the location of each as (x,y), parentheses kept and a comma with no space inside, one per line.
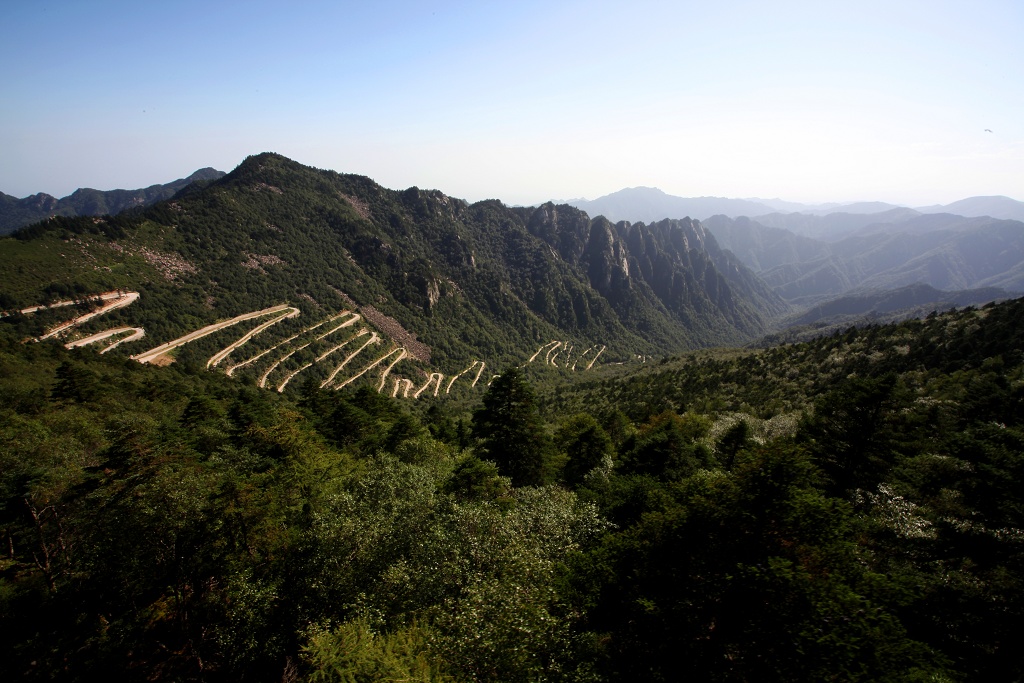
(866,256)
(15,213)
(652,204)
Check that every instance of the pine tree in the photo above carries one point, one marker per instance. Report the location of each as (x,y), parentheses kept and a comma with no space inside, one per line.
(509,427)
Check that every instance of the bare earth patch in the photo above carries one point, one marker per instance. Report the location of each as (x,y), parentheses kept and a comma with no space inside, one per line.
(263,186)
(170,265)
(256,261)
(361,207)
(394,329)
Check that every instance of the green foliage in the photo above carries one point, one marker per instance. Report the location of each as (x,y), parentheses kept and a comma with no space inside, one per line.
(748,576)
(353,653)
(668,447)
(850,433)
(476,479)
(587,447)
(850,508)
(510,431)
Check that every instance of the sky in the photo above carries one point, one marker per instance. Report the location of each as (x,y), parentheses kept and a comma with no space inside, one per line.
(524,101)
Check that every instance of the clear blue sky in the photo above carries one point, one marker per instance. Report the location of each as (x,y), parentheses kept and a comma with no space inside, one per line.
(524,101)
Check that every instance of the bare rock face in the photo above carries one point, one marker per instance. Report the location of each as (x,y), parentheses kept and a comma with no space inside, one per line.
(671,265)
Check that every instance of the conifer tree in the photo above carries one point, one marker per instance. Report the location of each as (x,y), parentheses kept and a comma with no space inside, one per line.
(509,427)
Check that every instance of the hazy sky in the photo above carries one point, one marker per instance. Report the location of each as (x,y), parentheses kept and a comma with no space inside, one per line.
(524,101)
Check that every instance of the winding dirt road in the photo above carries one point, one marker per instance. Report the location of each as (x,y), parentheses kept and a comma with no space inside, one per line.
(448,389)
(223,353)
(153,354)
(117,300)
(402,353)
(374,338)
(433,377)
(398,385)
(137,333)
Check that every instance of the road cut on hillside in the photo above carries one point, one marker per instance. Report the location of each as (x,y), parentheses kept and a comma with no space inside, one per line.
(137,333)
(223,353)
(105,296)
(153,354)
(399,383)
(116,299)
(374,338)
(473,365)
(431,379)
(402,353)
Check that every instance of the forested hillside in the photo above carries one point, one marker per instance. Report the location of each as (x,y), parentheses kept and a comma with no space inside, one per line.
(481,281)
(844,509)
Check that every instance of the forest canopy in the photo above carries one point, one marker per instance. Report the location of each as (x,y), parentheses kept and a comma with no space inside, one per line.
(848,508)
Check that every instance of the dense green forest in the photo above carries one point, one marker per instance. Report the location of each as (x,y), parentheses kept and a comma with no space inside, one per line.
(848,508)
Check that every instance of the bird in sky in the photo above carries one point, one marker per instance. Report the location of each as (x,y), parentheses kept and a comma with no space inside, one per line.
(988,130)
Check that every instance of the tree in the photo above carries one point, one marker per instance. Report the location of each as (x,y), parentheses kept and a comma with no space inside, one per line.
(510,431)
(75,383)
(667,447)
(733,441)
(852,433)
(586,446)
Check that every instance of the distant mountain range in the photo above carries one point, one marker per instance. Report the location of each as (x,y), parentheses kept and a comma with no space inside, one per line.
(890,250)
(842,262)
(996,207)
(15,213)
(917,298)
(651,204)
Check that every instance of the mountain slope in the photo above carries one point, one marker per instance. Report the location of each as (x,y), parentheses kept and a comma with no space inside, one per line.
(919,298)
(996,206)
(16,213)
(940,250)
(471,281)
(833,226)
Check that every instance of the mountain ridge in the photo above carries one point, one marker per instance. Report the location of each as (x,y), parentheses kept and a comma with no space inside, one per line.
(652,204)
(943,251)
(16,213)
(471,280)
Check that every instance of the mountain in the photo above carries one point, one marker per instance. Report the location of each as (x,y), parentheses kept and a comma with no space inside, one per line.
(880,251)
(651,204)
(761,246)
(914,300)
(996,207)
(849,508)
(468,281)
(856,207)
(15,213)
(834,225)
(783,206)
